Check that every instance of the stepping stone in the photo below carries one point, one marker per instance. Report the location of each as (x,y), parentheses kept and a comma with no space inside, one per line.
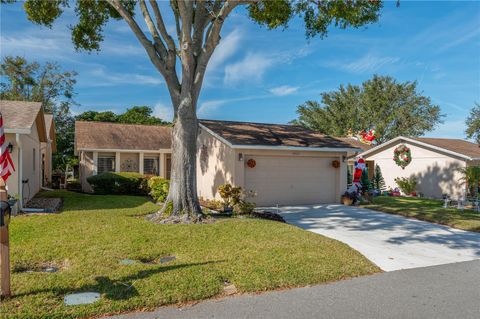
(127,262)
(82,298)
(167,259)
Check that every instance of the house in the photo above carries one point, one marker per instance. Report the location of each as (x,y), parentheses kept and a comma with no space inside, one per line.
(31,145)
(112,147)
(434,162)
(282,164)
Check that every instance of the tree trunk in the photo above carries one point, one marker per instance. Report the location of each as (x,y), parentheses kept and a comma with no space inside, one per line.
(182,205)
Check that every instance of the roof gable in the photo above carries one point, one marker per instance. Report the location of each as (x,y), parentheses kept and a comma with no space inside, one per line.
(115,136)
(453,147)
(19,117)
(50,128)
(246,134)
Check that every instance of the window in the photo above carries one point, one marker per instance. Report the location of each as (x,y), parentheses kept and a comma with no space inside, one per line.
(150,166)
(105,164)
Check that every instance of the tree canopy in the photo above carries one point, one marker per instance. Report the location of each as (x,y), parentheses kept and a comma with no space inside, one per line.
(134,115)
(473,123)
(49,84)
(392,108)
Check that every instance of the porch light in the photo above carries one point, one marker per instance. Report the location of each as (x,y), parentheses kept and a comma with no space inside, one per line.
(10,148)
(240,157)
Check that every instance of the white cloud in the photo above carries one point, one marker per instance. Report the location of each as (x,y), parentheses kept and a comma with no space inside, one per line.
(283,90)
(251,68)
(111,78)
(227,47)
(207,107)
(449,129)
(165,112)
(369,63)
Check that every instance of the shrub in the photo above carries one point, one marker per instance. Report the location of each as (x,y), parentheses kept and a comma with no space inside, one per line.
(118,183)
(231,195)
(158,188)
(406,185)
(244,207)
(213,204)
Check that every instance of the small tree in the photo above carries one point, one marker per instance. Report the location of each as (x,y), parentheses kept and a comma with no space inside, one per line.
(365,181)
(473,123)
(471,179)
(378,181)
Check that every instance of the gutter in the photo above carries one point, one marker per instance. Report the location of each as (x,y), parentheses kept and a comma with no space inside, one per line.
(20,171)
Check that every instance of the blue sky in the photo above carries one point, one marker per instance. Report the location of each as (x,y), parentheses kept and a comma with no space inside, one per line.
(262,76)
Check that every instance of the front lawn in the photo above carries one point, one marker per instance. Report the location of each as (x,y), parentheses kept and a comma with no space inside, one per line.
(93,233)
(430,210)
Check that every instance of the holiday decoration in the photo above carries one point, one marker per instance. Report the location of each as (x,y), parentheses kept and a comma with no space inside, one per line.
(402,156)
(336,163)
(367,137)
(359,166)
(251,163)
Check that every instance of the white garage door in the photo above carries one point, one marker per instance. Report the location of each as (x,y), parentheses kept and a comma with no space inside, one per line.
(291,180)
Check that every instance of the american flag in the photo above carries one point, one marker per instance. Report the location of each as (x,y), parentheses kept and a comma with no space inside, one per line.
(6,163)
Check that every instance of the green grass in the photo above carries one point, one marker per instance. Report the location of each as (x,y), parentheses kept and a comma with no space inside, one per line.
(430,210)
(94,232)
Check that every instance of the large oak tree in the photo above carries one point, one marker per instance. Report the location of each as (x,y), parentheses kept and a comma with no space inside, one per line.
(182,58)
(391,107)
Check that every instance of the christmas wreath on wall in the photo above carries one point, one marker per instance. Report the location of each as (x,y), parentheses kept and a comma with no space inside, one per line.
(402,156)
(251,163)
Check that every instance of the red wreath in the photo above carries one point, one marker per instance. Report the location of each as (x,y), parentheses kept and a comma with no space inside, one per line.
(336,164)
(251,163)
(402,156)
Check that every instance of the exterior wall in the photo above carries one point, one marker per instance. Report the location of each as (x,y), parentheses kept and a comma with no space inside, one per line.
(31,163)
(218,164)
(215,165)
(129,162)
(436,172)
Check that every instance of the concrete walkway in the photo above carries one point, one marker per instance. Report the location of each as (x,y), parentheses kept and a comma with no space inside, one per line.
(392,242)
(447,291)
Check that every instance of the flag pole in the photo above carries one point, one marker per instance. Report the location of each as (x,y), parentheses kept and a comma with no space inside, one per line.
(4,249)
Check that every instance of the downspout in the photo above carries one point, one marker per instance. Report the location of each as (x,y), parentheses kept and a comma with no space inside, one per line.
(20,171)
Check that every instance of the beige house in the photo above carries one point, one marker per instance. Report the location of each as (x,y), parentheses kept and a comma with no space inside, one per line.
(111,147)
(281,164)
(435,163)
(292,165)
(31,147)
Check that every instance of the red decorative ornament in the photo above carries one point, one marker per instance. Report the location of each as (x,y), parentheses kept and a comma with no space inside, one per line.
(251,163)
(336,164)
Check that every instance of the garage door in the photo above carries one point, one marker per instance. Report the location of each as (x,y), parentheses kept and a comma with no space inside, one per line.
(291,180)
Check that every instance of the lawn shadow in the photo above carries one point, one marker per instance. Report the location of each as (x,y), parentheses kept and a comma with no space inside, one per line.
(398,230)
(116,289)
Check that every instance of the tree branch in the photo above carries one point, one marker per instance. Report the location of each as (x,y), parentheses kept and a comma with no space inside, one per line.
(161,26)
(153,30)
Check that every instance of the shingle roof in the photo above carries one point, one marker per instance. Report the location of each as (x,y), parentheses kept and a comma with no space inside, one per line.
(356,143)
(19,114)
(454,145)
(259,134)
(102,135)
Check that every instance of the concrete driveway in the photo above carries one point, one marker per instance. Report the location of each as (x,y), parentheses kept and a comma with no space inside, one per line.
(390,241)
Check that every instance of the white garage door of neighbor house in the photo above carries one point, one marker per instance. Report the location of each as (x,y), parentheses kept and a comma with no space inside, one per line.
(288,180)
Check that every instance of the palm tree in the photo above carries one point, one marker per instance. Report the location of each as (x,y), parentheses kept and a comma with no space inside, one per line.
(471,179)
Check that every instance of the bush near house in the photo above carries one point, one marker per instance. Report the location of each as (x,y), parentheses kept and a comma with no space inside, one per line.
(158,188)
(407,185)
(119,183)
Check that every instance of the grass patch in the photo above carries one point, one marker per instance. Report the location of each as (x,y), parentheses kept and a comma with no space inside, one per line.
(94,232)
(430,210)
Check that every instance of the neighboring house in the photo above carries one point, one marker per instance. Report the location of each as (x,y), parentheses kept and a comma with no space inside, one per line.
(26,132)
(111,147)
(47,149)
(435,163)
(282,164)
